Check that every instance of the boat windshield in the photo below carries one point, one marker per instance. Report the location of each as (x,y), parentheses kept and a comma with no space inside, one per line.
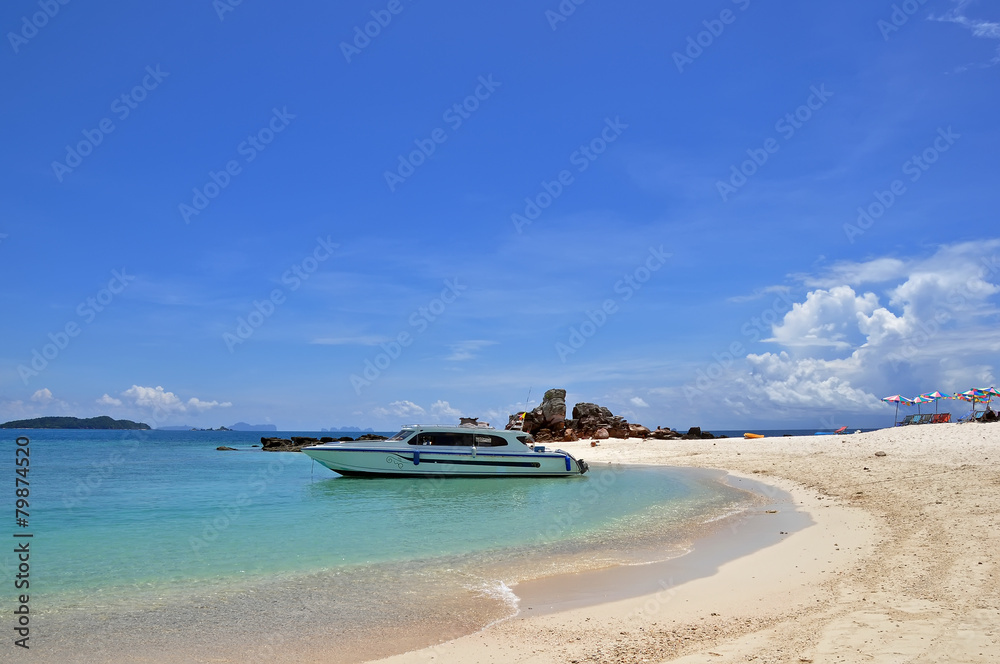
(402,435)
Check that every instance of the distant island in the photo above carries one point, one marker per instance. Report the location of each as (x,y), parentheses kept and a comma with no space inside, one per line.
(243,426)
(331,429)
(103,422)
(239,426)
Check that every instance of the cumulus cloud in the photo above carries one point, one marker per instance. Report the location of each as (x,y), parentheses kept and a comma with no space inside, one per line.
(108,400)
(871,328)
(638,402)
(826,318)
(158,399)
(443,409)
(399,409)
(42,396)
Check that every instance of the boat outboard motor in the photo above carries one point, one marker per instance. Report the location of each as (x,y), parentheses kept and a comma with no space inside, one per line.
(582,465)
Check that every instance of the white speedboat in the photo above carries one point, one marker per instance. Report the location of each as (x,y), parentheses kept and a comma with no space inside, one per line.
(447,451)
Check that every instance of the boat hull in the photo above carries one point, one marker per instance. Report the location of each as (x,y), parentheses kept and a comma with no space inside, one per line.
(389,462)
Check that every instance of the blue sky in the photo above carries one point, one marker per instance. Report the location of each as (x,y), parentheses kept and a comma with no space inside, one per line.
(728,214)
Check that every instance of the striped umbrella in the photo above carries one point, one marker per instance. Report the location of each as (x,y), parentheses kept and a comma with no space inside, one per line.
(974,396)
(989,393)
(935,396)
(897,399)
(921,399)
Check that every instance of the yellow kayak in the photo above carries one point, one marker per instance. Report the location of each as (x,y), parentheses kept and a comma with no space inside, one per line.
(753,435)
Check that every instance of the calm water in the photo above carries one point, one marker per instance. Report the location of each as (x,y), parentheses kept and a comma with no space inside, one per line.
(125,514)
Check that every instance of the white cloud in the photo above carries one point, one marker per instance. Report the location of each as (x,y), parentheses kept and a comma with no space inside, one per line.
(850,273)
(467,350)
(194,403)
(108,400)
(153,397)
(826,318)
(979,27)
(638,402)
(399,409)
(42,396)
(923,323)
(158,399)
(443,409)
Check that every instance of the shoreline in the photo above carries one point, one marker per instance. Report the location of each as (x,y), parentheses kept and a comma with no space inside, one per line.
(773,517)
(885,571)
(902,554)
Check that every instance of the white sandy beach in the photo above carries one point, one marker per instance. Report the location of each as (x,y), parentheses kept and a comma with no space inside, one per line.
(900,565)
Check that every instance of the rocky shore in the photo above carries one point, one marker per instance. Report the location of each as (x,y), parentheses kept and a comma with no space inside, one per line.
(296,443)
(547,422)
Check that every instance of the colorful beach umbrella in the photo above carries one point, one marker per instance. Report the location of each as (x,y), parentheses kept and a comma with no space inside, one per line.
(897,399)
(974,396)
(935,396)
(919,400)
(989,393)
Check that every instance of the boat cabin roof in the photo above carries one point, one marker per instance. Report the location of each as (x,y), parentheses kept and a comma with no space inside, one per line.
(482,431)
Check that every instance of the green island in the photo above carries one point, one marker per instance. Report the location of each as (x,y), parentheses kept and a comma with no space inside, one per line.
(103,422)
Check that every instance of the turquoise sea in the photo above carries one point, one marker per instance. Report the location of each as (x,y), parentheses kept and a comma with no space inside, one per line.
(126,520)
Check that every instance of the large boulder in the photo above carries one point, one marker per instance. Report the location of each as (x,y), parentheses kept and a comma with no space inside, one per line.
(695,433)
(588,418)
(550,414)
(638,431)
(293,444)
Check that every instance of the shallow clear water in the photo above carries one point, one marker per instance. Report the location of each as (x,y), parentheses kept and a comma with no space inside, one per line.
(125,513)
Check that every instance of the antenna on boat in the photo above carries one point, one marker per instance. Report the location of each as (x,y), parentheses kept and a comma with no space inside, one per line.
(527,399)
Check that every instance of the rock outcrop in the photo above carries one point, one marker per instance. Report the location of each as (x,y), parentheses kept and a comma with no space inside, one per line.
(549,415)
(589,418)
(547,421)
(638,431)
(293,444)
(664,434)
(695,433)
